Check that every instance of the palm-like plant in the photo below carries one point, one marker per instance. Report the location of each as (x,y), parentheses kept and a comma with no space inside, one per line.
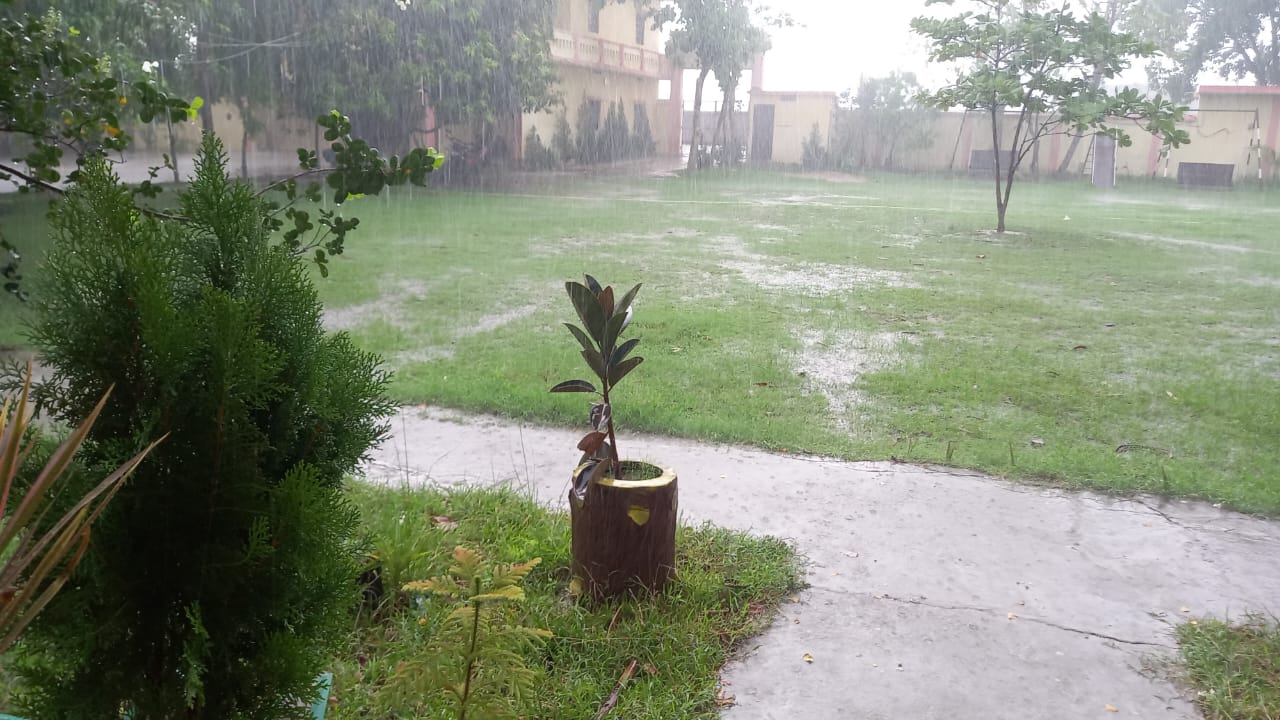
(37,564)
(604,318)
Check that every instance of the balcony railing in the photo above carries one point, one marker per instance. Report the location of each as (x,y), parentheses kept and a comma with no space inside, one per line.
(606,55)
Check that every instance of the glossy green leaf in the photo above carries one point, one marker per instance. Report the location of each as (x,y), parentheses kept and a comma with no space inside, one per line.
(588,308)
(574,386)
(621,370)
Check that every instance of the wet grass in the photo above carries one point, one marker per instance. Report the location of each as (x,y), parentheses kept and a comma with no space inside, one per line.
(727,589)
(865,320)
(1125,341)
(1235,669)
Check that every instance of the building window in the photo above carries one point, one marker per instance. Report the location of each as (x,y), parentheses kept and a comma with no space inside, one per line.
(593,17)
(641,26)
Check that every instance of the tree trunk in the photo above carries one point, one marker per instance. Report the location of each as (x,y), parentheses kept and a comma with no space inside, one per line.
(624,535)
(695,135)
(995,163)
(202,78)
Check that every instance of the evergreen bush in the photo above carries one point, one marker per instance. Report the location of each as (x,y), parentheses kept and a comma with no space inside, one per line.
(536,155)
(219,582)
(642,145)
(562,140)
(588,145)
(615,136)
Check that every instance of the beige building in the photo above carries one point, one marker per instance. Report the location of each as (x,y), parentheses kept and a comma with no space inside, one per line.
(606,53)
(780,122)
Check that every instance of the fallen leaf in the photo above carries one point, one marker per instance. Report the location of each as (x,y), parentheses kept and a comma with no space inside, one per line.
(1195,622)
(1112,708)
(794,599)
(1037,442)
(725,700)
(1186,609)
(676,349)
(761,384)
(848,553)
(444,522)
(1080,347)
(808,658)
(982,257)
(650,668)
(1013,616)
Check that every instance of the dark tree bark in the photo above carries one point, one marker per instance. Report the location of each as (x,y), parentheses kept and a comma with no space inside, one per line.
(624,536)
(696,134)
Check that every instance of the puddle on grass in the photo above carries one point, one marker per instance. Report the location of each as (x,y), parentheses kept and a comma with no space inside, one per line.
(388,308)
(1221,247)
(832,362)
(807,279)
(488,323)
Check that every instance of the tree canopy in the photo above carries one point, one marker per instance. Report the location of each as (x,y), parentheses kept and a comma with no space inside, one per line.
(1236,39)
(1038,63)
(720,36)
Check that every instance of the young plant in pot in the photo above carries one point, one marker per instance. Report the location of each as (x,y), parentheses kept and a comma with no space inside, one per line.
(622,512)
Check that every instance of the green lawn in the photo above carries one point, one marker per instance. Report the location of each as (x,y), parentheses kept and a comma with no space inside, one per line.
(1134,347)
(728,588)
(1235,669)
(862,320)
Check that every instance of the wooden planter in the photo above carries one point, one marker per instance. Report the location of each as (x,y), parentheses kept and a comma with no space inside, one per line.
(624,535)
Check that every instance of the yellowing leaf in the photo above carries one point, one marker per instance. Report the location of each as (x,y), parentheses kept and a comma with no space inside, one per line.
(1112,708)
(1013,616)
(650,668)
(808,658)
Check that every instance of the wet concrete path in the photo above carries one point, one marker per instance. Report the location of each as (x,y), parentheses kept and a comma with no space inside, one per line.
(934,594)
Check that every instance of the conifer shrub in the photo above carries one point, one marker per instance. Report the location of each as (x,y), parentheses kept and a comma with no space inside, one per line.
(536,155)
(562,140)
(642,144)
(220,581)
(615,136)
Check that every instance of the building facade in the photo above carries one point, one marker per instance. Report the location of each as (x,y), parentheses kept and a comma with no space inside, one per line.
(604,53)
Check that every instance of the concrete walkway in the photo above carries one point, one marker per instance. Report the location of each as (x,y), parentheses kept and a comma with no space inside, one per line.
(934,594)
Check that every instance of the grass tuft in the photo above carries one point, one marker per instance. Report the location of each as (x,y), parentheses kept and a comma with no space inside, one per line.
(1235,669)
(728,587)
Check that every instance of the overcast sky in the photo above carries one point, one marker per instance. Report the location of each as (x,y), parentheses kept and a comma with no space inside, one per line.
(836,42)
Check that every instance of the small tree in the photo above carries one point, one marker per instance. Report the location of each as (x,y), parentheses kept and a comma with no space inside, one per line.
(615,136)
(814,151)
(219,579)
(562,140)
(1037,63)
(536,155)
(588,131)
(642,145)
(881,118)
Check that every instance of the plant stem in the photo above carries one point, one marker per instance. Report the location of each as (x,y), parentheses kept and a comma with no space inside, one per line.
(471,656)
(613,442)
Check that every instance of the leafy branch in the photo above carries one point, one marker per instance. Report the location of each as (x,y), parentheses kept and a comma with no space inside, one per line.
(604,319)
(480,635)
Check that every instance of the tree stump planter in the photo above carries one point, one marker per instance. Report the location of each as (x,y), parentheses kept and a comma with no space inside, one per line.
(624,533)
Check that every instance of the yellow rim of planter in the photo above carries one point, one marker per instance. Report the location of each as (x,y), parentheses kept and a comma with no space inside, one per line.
(666,478)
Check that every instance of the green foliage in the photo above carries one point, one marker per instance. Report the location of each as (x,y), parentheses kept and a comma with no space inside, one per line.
(605,320)
(615,137)
(881,118)
(536,155)
(58,99)
(1234,668)
(587,150)
(728,588)
(358,169)
(562,141)
(642,144)
(814,151)
(720,36)
(1040,64)
(1237,39)
(476,654)
(38,562)
(220,578)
